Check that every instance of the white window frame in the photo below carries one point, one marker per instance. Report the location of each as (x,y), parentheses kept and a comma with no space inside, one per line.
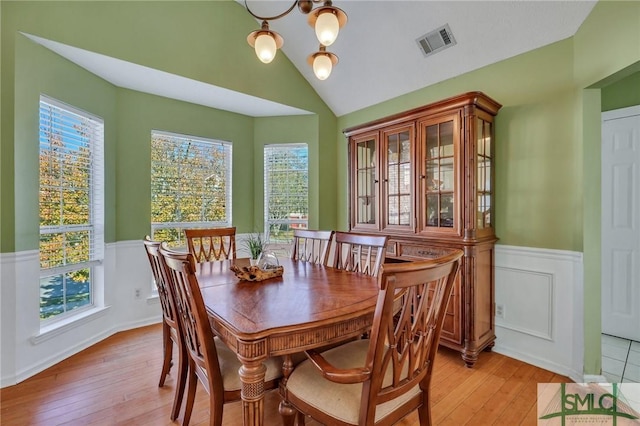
(95,226)
(303,221)
(228,151)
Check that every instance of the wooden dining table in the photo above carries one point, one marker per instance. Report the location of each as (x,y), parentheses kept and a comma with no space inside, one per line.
(309,306)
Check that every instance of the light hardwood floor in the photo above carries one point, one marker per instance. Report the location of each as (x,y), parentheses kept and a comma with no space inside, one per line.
(115,382)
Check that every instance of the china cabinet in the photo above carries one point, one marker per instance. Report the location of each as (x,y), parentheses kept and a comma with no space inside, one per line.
(424,177)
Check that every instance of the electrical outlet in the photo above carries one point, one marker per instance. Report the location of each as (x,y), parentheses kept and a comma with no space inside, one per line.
(137,293)
(499,311)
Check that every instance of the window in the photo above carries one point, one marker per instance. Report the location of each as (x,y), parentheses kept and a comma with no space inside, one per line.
(190,185)
(70,207)
(286,190)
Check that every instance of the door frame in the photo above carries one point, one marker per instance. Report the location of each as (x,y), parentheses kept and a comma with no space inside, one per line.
(610,116)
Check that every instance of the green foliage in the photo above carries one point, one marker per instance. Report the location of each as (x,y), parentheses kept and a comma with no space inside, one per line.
(255,244)
(65,165)
(188,180)
(174,237)
(188,184)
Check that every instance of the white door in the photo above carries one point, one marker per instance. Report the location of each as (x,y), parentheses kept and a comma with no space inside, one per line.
(621,223)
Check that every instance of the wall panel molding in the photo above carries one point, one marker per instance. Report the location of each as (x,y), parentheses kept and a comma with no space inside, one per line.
(541,292)
(534,318)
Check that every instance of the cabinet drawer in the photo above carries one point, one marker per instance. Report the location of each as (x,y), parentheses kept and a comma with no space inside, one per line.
(426,252)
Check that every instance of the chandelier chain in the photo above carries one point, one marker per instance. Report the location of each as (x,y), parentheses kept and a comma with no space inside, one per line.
(270,18)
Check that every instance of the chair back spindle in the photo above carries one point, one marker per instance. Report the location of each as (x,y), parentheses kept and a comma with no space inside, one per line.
(311,246)
(211,244)
(359,252)
(393,368)
(404,343)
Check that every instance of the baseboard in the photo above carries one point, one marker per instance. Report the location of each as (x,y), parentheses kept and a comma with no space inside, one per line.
(70,351)
(540,362)
(594,378)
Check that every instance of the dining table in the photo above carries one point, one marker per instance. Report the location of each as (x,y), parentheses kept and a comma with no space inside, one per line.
(309,306)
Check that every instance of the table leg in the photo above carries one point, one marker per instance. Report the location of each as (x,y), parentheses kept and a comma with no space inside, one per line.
(252,377)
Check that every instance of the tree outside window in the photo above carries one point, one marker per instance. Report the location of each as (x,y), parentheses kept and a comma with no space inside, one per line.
(286,189)
(190,185)
(70,193)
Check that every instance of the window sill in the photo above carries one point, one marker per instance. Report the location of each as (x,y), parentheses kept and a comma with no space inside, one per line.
(56,329)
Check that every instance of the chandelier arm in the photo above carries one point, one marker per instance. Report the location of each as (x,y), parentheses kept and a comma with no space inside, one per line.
(270,18)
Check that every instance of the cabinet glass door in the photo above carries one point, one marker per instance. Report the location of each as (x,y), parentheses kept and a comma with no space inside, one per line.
(365,168)
(484,160)
(398,172)
(439,175)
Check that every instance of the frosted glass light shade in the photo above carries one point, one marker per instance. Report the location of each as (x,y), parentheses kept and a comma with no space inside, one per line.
(322,66)
(265,46)
(327,28)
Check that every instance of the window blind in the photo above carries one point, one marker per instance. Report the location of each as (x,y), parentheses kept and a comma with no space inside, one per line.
(286,189)
(70,199)
(190,184)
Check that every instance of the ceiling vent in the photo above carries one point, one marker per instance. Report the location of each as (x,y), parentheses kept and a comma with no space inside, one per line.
(436,40)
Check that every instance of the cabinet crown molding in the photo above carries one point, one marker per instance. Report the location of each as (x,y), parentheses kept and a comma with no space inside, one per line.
(469,99)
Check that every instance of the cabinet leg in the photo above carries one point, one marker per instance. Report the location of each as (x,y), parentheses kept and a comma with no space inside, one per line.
(469,359)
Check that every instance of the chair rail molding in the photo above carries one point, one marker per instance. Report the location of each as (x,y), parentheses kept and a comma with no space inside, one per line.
(539,293)
(528,280)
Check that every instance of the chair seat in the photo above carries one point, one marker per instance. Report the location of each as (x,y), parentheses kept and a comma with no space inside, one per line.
(339,400)
(229,366)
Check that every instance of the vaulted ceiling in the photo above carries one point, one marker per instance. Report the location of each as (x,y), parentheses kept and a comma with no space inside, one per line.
(379,57)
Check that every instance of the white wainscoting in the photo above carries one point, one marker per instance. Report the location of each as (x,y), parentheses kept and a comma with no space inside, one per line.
(540,291)
(26,348)
(7,318)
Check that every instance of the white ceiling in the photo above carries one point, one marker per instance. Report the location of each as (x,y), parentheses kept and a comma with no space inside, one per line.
(379,56)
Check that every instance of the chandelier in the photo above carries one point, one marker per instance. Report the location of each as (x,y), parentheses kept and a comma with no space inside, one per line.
(327,21)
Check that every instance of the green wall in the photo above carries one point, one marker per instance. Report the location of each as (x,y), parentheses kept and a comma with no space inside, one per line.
(622,94)
(138,115)
(39,71)
(538,166)
(300,129)
(200,40)
(607,49)
(538,175)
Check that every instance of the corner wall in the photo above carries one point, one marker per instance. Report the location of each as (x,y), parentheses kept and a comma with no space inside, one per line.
(29,69)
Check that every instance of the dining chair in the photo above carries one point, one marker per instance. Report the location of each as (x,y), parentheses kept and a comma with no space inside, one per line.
(380,380)
(359,252)
(311,246)
(170,325)
(211,243)
(211,362)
